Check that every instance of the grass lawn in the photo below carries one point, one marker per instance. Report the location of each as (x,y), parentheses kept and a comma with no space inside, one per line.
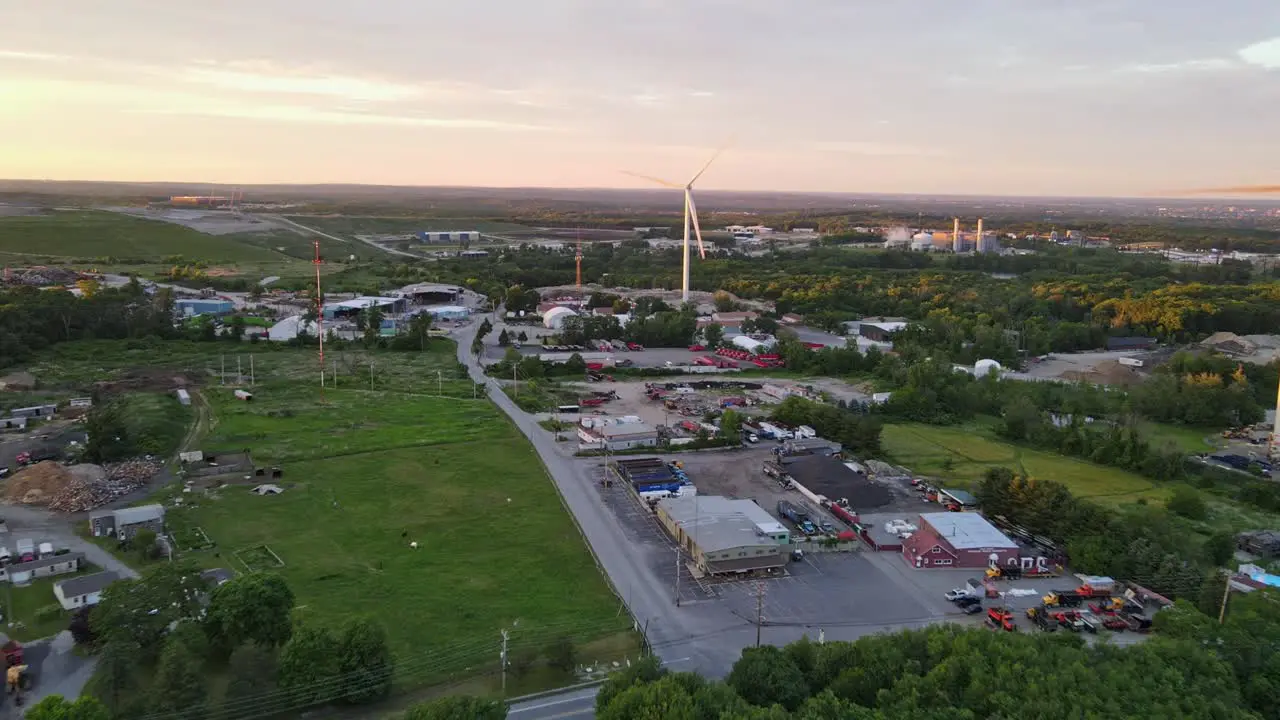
(86,234)
(1187,439)
(973,450)
(157,421)
(366,473)
(36,608)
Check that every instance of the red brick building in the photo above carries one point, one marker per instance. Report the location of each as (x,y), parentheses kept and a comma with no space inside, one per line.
(957,539)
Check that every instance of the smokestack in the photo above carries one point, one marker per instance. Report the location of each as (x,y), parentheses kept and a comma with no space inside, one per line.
(955,234)
(977,241)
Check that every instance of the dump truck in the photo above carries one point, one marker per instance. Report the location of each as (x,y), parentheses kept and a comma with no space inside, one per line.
(1062,598)
(1001,618)
(1004,573)
(1040,616)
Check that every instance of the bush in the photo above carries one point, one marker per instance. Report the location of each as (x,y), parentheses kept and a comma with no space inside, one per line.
(1186,501)
(49,612)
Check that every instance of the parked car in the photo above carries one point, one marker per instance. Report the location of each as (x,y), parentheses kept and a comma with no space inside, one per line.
(968,602)
(956,594)
(973,608)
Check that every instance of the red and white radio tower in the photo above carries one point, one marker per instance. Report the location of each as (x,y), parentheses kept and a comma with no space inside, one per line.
(319,314)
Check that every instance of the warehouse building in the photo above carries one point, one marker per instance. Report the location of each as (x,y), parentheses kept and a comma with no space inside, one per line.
(449,312)
(617,436)
(353,307)
(448,237)
(725,535)
(190,307)
(879,329)
(958,539)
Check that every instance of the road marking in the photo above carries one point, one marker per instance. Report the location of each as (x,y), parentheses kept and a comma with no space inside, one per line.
(553,703)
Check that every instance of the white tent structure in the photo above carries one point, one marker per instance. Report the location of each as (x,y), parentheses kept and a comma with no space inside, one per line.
(555,317)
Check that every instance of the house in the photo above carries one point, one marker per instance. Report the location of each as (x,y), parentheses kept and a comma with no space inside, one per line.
(958,539)
(725,535)
(124,523)
(23,573)
(84,591)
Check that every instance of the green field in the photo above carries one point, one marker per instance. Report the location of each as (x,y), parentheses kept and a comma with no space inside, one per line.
(1186,439)
(35,608)
(368,472)
(105,235)
(973,450)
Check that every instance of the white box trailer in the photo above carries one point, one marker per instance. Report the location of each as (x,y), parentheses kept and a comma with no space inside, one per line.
(1131,362)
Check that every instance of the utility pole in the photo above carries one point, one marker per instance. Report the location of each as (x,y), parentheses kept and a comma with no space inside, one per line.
(370,374)
(1226,593)
(505,636)
(335,372)
(250,371)
(239,371)
(677,575)
(759,610)
(439,384)
(222,374)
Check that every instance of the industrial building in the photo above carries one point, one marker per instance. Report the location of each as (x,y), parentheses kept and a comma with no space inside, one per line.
(750,344)
(617,436)
(449,312)
(351,308)
(123,523)
(724,535)
(653,479)
(289,328)
(837,481)
(190,307)
(958,539)
(425,293)
(806,447)
(448,237)
(879,329)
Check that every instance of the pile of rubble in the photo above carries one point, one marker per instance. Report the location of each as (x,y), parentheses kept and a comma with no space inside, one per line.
(42,276)
(89,489)
(37,484)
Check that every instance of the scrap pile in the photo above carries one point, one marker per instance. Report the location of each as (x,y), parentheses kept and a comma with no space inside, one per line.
(38,484)
(95,486)
(42,276)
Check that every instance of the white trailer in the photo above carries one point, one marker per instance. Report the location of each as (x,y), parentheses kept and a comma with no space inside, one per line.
(1131,362)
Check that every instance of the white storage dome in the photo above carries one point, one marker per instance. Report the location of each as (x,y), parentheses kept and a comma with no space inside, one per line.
(985,367)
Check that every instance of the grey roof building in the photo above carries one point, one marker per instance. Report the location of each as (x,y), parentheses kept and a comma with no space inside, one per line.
(725,535)
(83,591)
(124,522)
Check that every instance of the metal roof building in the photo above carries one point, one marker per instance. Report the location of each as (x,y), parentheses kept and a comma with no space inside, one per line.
(724,535)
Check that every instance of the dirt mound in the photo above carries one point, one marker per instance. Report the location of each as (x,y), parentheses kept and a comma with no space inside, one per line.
(88,472)
(1107,372)
(37,484)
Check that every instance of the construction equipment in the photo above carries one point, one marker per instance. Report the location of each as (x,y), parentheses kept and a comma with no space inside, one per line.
(1110,606)
(1001,618)
(1040,616)
(1061,598)
(1004,573)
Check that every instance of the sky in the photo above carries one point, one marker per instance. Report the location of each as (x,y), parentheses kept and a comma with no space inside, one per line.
(1047,97)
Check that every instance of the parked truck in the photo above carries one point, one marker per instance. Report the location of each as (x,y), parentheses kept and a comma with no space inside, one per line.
(797,516)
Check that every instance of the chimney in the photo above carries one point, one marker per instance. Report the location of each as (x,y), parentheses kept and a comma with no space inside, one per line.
(955,235)
(977,240)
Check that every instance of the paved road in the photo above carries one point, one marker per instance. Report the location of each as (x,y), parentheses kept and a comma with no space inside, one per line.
(702,637)
(572,704)
(286,221)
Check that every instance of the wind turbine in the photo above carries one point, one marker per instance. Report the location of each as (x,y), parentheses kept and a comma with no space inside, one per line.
(690,214)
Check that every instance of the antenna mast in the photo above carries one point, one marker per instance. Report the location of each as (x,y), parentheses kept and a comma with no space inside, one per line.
(578,259)
(319,314)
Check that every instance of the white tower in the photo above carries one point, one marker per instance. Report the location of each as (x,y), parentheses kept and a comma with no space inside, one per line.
(956,245)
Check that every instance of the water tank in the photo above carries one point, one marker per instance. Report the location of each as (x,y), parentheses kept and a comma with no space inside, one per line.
(985,367)
(922,241)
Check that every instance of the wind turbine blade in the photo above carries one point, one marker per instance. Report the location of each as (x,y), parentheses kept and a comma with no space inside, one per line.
(704,167)
(697,230)
(652,179)
(1238,190)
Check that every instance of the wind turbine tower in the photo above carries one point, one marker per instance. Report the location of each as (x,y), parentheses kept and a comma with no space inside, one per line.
(690,217)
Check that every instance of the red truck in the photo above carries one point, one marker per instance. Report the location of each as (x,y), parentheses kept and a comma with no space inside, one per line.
(696,348)
(592,402)
(706,361)
(595,366)
(634,346)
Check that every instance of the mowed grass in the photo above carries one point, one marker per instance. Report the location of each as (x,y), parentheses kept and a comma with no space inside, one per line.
(86,234)
(972,451)
(368,472)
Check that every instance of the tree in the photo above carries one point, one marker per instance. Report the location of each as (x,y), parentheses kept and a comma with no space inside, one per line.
(143,542)
(178,689)
(644,670)
(1187,502)
(55,707)
(523,336)
(503,338)
(139,611)
(364,661)
(310,666)
(81,630)
(237,327)
(372,325)
(713,335)
(731,424)
(108,434)
(765,676)
(116,677)
(562,654)
(458,707)
(723,301)
(252,670)
(420,328)
(250,608)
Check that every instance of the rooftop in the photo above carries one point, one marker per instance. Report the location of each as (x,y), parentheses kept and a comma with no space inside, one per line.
(143,513)
(85,584)
(828,476)
(624,430)
(963,497)
(967,531)
(715,505)
(45,562)
(360,303)
(714,532)
(217,576)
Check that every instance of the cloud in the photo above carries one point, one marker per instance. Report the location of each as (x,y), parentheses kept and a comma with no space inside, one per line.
(1185,66)
(877,149)
(318,116)
(24,55)
(1265,54)
(349,88)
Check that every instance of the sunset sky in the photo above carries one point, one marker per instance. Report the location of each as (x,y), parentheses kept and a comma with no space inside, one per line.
(1086,97)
